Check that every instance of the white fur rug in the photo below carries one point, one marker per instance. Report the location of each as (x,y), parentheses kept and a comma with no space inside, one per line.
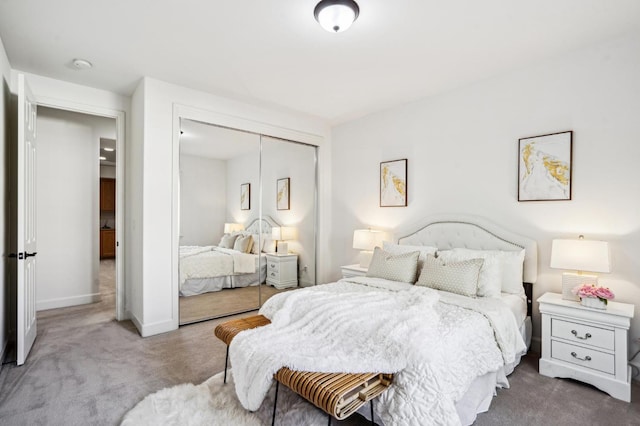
(214,403)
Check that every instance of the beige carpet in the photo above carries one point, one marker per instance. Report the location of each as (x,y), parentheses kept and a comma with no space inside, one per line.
(87,369)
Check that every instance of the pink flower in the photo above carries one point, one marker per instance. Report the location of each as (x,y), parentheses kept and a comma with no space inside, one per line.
(604,293)
(601,293)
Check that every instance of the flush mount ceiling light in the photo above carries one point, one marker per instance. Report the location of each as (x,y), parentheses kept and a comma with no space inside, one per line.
(102,158)
(81,64)
(336,15)
(109,149)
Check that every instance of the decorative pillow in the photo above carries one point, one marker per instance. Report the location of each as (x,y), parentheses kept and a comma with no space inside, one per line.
(399,267)
(228,240)
(490,279)
(258,244)
(454,277)
(243,243)
(269,245)
(392,248)
(511,266)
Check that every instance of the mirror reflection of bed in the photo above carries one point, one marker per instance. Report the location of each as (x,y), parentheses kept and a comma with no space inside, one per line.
(229,257)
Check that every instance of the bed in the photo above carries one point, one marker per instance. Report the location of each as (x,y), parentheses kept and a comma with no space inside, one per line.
(204,269)
(374,324)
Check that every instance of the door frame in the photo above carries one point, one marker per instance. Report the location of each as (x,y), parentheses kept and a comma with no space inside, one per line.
(181,111)
(119,116)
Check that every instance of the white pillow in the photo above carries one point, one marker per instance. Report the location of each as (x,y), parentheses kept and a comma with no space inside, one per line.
(269,245)
(395,267)
(243,243)
(511,265)
(490,279)
(227,241)
(454,277)
(258,243)
(392,248)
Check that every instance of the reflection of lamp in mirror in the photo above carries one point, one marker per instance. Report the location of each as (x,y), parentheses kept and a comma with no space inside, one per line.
(281,234)
(232,227)
(579,255)
(366,240)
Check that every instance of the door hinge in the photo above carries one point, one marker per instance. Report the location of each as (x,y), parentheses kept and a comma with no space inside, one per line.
(26,254)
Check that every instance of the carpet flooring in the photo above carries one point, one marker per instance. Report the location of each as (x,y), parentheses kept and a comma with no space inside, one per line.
(88,369)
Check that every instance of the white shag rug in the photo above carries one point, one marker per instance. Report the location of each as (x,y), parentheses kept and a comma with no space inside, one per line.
(214,403)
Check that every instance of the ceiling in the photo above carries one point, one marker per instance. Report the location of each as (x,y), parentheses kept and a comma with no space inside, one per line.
(273,53)
(108,151)
(209,141)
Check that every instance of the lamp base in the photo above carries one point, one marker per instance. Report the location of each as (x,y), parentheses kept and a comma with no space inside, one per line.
(365,258)
(571,280)
(282,248)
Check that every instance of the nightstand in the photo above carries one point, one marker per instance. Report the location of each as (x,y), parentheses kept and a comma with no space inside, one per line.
(282,270)
(355,270)
(586,344)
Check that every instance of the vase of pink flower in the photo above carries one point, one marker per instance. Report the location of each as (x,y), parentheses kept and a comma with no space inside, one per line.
(592,296)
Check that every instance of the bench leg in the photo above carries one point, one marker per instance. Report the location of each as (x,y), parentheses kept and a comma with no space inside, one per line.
(275,404)
(329,419)
(372,422)
(226,361)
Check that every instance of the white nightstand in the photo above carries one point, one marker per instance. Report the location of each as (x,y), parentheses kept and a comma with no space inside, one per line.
(282,270)
(355,270)
(586,344)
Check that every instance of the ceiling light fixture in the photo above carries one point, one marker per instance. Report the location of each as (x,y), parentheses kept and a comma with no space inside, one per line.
(81,64)
(109,149)
(103,158)
(336,16)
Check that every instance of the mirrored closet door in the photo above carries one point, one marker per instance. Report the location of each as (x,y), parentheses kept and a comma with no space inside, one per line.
(247,219)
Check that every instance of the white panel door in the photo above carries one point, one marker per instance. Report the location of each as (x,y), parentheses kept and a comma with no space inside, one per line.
(26,221)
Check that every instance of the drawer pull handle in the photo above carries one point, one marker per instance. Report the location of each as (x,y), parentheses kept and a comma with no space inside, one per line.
(273,265)
(586,358)
(586,336)
(273,275)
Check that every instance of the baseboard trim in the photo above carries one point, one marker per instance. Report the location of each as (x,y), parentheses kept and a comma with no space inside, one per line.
(147,330)
(64,302)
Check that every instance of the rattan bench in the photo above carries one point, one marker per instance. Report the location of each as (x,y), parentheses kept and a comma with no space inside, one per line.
(337,394)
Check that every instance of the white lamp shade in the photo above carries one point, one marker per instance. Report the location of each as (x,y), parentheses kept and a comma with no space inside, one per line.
(367,239)
(283,233)
(232,227)
(580,255)
(336,16)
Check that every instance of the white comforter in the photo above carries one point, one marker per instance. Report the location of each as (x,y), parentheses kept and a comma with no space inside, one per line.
(207,262)
(435,347)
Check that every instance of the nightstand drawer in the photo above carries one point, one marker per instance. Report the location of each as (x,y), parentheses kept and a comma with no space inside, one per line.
(273,266)
(583,334)
(588,358)
(273,274)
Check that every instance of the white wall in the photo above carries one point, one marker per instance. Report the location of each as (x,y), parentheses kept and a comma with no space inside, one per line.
(159,273)
(462,152)
(68,221)
(243,169)
(5,104)
(203,200)
(108,171)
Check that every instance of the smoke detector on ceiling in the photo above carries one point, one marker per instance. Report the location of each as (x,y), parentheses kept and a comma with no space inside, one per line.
(81,64)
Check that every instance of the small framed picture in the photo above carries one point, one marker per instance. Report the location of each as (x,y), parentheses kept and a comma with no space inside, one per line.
(544,167)
(245,196)
(283,198)
(393,183)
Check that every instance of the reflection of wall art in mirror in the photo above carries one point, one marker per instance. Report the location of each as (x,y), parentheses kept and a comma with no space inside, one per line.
(393,183)
(245,196)
(544,167)
(283,195)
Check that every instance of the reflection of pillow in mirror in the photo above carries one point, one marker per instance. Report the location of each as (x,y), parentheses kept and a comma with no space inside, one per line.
(269,245)
(243,243)
(227,241)
(454,277)
(395,267)
(258,243)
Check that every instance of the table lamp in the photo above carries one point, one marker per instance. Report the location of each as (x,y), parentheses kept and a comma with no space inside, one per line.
(281,234)
(232,227)
(366,240)
(579,255)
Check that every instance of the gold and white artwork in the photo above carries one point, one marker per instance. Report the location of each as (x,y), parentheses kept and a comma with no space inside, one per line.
(245,196)
(283,195)
(545,167)
(393,183)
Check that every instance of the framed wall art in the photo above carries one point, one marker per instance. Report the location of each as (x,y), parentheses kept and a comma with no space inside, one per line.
(393,183)
(283,192)
(544,167)
(245,196)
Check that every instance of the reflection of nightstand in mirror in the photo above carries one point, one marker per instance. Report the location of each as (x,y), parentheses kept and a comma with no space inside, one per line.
(354,270)
(282,270)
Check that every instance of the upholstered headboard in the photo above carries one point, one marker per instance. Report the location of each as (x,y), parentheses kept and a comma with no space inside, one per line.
(473,232)
(266,223)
